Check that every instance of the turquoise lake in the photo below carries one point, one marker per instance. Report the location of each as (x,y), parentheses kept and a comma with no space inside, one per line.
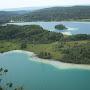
(38,76)
(73,27)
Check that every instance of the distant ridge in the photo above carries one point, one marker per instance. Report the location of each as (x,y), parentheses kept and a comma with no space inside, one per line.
(56,14)
(23,9)
(45,14)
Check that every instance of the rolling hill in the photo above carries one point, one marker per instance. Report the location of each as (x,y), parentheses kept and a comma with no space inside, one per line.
(56,14)
(47,14)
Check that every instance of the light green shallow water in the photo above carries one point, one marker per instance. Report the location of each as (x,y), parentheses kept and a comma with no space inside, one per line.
(38,76)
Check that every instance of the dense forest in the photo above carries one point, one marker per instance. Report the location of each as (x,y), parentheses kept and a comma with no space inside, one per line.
(56,14)
(46,44)
(32,33)
(79,53)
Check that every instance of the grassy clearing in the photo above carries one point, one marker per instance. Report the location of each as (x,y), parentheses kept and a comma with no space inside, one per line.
(50,48)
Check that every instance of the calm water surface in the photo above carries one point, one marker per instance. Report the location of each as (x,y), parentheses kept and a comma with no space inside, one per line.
(73,27)
(38,76)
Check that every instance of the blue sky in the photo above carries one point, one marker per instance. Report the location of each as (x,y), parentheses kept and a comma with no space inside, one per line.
(4,4)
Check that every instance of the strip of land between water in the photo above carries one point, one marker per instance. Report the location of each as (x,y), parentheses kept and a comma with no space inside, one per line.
(56,64)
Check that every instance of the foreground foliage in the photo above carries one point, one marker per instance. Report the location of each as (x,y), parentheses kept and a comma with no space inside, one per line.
(7,85)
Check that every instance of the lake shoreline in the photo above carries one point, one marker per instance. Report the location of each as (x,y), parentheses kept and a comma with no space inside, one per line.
(50,26)
(56,64)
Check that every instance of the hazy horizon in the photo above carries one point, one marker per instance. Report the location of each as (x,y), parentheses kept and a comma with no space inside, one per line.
(13,4)
(35,8)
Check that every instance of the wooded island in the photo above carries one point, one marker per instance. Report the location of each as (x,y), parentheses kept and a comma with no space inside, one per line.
(61,27)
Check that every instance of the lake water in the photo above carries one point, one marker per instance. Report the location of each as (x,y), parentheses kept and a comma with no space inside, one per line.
(73,27)
(38,76)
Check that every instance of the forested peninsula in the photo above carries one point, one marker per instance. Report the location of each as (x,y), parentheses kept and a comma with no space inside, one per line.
(46,44)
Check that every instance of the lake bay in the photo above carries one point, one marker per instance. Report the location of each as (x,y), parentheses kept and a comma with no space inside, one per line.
(73,27)
(38,76)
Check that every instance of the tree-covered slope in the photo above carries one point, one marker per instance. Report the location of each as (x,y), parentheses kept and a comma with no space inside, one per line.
(47,14)
(6,16)
(31,33)
(56,14)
